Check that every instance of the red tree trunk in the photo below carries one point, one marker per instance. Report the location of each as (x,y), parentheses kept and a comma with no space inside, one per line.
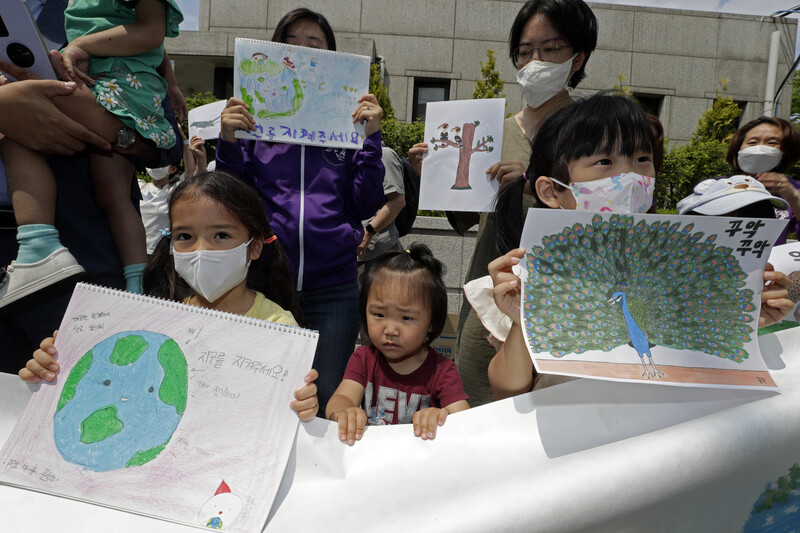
(464,155)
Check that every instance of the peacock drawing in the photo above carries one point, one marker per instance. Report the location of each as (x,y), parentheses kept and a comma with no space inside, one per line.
(616,281)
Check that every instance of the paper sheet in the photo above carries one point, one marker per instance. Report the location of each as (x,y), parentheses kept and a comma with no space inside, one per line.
(672,300)
(300,95)
(464,139)
(163,409)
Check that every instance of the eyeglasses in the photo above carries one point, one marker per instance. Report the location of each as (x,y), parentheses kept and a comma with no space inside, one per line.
(547,52)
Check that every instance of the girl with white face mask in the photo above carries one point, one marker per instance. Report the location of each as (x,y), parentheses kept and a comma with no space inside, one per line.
(549,44)
(600,154)
(219,253)
(766,148)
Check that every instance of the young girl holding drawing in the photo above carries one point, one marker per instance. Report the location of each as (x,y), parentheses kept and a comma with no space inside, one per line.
(116,48)
(593,154)
(399,378)
(220,253)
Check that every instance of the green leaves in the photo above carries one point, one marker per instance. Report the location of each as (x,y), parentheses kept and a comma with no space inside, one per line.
(490,85)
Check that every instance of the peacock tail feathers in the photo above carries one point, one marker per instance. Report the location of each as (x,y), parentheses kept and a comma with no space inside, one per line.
(683,290)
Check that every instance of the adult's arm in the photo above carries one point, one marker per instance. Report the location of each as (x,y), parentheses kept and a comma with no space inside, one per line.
(235,158)
(365,196)
(29,116)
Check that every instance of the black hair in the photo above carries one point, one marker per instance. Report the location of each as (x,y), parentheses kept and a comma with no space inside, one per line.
(302,13)
(425,273)
(572,18)
(603,123)
(269,274)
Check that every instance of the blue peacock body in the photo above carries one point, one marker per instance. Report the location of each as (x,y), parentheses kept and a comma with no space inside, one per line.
(613,282)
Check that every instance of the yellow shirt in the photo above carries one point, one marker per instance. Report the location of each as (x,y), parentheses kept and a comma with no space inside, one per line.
(266,309)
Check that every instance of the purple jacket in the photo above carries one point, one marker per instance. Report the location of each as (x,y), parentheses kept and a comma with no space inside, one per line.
(315,199)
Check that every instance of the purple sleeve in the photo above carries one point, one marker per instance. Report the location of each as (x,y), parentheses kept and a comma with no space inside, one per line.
(449,388)
(357,366)
(236,159)
(365,196)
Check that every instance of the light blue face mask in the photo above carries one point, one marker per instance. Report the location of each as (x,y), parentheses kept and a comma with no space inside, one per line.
(624,193)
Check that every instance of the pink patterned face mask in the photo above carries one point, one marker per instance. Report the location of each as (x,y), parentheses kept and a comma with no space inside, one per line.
(624,193)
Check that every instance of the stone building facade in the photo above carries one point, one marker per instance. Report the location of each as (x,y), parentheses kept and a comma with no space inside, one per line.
(432,49)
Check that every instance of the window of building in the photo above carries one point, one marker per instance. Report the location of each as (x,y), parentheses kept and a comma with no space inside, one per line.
(652,103)
(223,82)
(742,105)
(428,90)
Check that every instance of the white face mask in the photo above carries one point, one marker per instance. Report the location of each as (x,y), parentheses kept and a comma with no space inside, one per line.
(759,158)
(212,273)
(623,193)
(540,80)
(158,173)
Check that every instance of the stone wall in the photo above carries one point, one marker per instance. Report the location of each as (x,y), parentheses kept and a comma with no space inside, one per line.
(677,56)
(449,247)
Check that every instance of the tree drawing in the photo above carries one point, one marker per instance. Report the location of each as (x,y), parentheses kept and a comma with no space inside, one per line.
(463,137)
(613,282)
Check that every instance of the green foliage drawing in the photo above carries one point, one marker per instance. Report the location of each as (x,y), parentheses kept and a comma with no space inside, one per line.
(127,350)
(81,367)
(100,425)
(173,388)
(490,85)
(683,291)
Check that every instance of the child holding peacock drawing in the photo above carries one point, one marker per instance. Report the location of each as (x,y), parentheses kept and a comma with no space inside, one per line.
(593,155)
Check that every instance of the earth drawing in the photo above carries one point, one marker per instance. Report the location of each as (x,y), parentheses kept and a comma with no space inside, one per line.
(122,402)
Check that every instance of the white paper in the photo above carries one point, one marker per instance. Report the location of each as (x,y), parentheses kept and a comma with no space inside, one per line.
(664,299)
(300,95)
(205,121)
(186,419)
(786,258)
(634,457)
(464,139)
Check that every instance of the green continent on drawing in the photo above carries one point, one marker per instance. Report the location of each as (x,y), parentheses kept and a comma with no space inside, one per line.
(122,402)
(616,282)
(270,88)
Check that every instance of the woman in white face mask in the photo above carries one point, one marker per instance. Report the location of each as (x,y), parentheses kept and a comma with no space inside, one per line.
(549,44)
(766,148)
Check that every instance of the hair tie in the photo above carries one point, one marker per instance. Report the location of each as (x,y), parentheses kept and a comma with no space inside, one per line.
(166,232)
(271,239)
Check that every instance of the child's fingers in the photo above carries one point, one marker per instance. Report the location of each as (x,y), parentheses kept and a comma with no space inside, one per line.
(235,102)
(351,427)
(36,372)
(311,376)
(505,262)
(306,408)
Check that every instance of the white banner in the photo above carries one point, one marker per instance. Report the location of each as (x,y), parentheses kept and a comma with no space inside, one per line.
(584,455)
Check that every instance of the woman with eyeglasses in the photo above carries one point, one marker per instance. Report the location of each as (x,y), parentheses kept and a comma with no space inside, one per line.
(549,44)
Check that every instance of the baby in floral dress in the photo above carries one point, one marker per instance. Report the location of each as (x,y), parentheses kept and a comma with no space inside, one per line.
(116,49)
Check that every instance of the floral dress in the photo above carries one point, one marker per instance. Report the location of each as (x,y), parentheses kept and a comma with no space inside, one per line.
(129,87)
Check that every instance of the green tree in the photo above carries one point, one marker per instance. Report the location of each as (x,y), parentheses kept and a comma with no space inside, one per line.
(721,120)
(491,84)
(704,156)
(621,88)
(796,97)
(399,136)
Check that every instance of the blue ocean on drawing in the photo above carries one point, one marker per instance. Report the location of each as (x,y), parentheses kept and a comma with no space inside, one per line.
(121,402)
